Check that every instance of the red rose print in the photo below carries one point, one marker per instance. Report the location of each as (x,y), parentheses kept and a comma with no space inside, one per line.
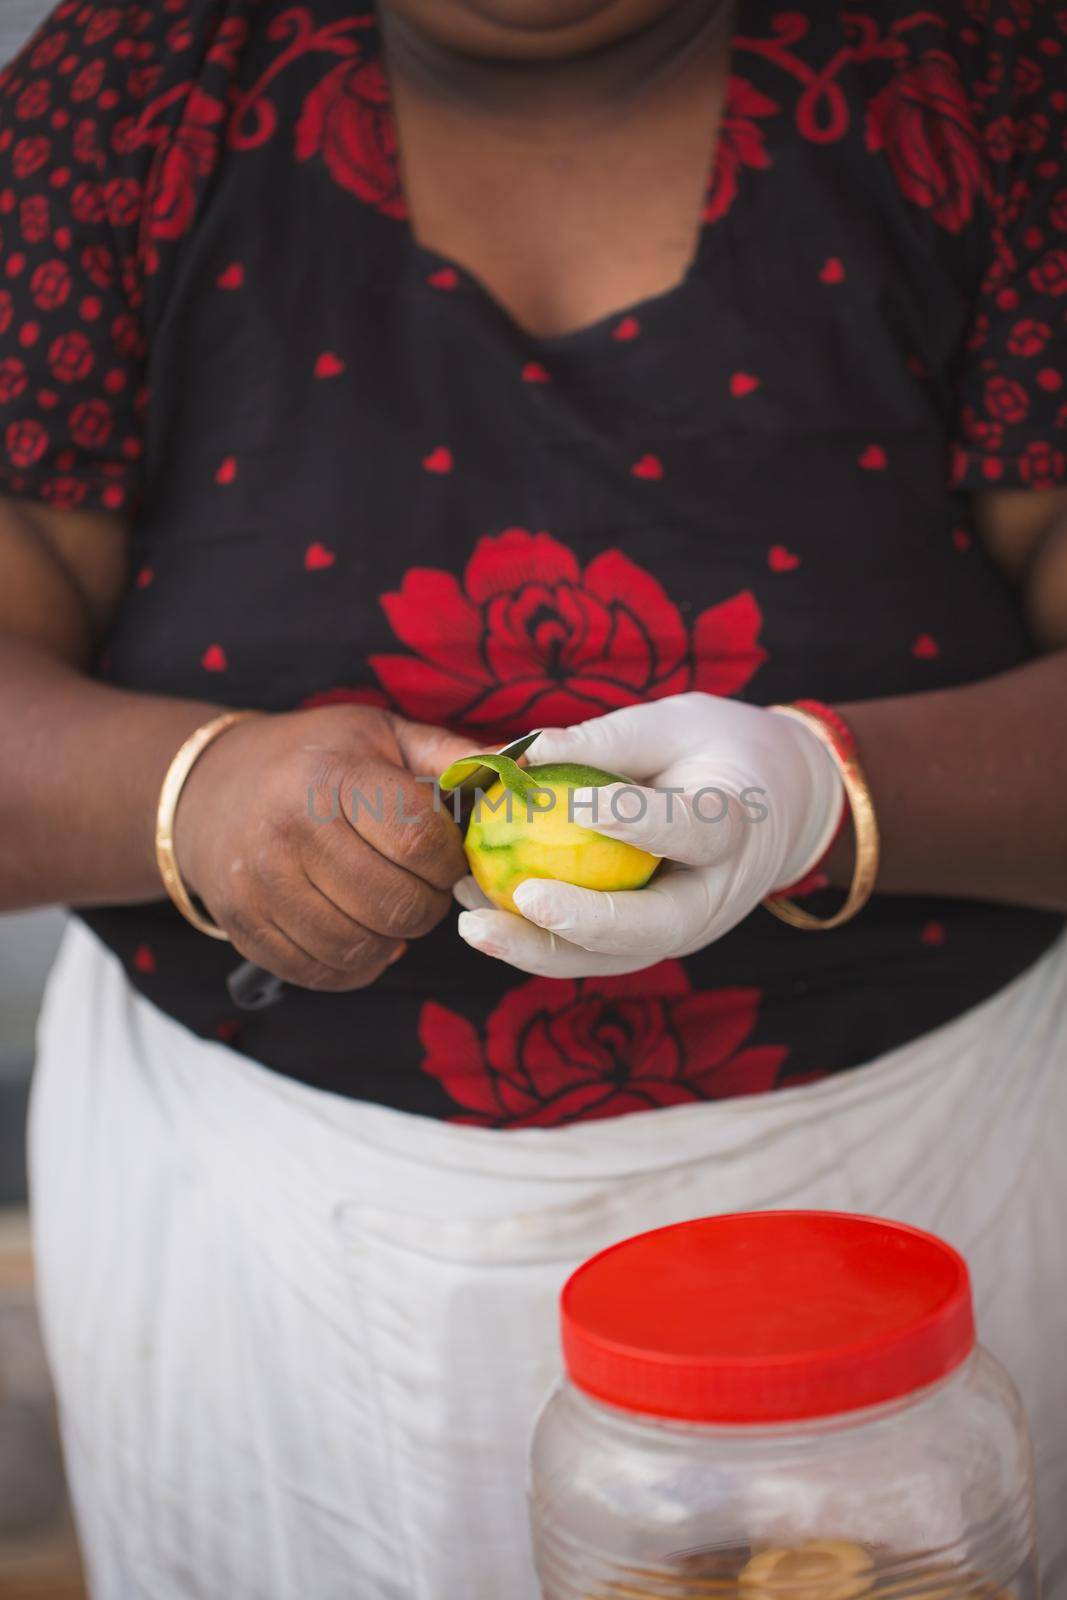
(14,380)
(1028,337)
(181,164)
(1042,466)
(530,638)
(1049,276)
(1006,400)
(832,270)
(348,122)
(89,82)
(98,265)
(102,25)
(51,285)
(122,202)
(87,203)
(91,424)
(741,144)
(25,442)
(980,431)
(87,151)
(30,155)
(128,337)
(7,310)
(35,218)
(923,122)
(71,358)
(64,494)
(1058,214)
(555,1052)
(1001,139)
(49,51)
(1029,78)
(34,101)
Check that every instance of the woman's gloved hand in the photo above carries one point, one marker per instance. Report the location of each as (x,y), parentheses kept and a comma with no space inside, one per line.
(741,802)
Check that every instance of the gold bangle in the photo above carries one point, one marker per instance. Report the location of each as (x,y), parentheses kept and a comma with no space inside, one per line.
(865,826)
(169,795)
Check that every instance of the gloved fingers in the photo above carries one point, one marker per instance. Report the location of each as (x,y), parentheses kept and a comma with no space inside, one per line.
(509,938)
(636,741)
(469,896)
(674,914)
(698,828)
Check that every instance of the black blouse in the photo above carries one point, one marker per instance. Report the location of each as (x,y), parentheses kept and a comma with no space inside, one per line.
(353,478)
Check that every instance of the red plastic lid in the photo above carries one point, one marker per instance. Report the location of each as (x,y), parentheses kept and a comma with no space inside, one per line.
(767,1316)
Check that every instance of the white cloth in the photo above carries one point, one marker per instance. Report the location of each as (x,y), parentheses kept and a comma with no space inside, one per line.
(299,1341)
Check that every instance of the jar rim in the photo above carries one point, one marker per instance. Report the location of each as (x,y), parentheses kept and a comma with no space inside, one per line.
(774,1316)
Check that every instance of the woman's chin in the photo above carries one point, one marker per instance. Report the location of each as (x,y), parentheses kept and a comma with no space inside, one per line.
(528,29)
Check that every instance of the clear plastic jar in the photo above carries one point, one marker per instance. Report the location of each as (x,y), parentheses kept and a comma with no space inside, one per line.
(780,1406)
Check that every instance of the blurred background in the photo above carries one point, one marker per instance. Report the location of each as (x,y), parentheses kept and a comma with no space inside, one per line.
(38,1557)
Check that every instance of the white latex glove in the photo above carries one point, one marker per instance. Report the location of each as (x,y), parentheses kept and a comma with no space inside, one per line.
(715,872)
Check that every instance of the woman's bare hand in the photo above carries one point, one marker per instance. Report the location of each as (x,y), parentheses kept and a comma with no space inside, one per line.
(311,844)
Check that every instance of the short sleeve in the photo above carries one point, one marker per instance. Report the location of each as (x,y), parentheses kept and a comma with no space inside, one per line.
(1012,392)
(72,184)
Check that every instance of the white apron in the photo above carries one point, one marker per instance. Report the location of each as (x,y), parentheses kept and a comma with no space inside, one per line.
(299,1342)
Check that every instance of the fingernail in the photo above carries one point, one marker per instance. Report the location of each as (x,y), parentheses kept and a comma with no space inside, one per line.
(477,935)
(401,950)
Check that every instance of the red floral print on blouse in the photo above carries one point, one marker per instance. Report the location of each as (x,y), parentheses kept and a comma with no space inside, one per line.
(924,123)
(555,1052)
(530,638)
(347,121)
(741,144)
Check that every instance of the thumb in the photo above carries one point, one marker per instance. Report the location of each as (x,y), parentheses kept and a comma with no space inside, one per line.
(426,750)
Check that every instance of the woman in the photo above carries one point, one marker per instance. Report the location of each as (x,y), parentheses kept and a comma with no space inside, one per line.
(617,367)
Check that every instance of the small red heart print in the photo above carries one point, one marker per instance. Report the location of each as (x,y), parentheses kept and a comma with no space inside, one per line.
(446,278)
(648,467)
(961,539)
(144,577)
(232,278)
(439,460)
(933,933)
(214,659)
(329,366)
(317,558)
(743,383)
(833,270)
(534,372)
(144,958)
(926,647)
(626,328)
(873,459)
(779,559)
(227,472)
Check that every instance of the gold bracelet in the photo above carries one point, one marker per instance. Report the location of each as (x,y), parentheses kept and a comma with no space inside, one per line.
(169,795)
(864,822)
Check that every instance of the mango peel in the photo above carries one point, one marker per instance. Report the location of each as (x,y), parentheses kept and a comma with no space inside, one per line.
(524,826)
